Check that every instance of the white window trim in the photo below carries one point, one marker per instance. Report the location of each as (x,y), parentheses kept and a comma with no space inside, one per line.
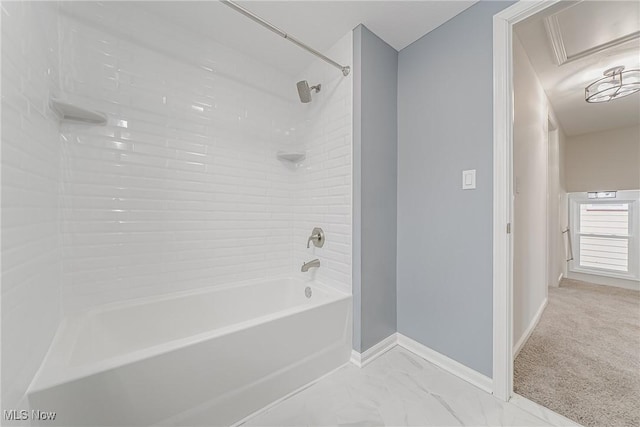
(632,197)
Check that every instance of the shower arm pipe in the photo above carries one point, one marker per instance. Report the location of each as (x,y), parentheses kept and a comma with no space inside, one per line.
(344,68)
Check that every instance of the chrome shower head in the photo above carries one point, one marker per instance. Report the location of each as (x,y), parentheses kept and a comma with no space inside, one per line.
(304,91)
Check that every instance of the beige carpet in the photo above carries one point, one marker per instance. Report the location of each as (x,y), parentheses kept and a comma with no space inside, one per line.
(583,358)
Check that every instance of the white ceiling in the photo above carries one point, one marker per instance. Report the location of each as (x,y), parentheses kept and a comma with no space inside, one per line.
(587,30)
(317,23)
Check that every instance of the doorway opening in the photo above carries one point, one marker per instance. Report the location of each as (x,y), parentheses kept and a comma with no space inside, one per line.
(549,235)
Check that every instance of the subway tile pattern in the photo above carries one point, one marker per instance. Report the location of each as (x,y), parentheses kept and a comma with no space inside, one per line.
(182,189)
(323,187)
(31,274)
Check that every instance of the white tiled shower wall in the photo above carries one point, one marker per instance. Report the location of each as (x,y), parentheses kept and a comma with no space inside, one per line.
(323,187)
(31,272)
(183,189)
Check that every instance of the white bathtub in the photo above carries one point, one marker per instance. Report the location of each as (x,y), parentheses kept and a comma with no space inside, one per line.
(200,358)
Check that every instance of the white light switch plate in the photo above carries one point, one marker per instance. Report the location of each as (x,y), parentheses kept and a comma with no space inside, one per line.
(469,179)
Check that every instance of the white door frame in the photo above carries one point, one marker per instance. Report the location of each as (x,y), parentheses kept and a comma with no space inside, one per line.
(503,23)
(552,234)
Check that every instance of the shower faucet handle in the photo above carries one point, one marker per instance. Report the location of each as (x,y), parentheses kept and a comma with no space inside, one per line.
(317,237)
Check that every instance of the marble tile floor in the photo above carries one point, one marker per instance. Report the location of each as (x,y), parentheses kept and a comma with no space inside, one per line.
(397,389)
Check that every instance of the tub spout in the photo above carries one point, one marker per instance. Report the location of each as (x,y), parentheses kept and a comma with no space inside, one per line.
(307,265)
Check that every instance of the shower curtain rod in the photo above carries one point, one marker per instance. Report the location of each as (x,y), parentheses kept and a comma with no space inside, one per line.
(345,69)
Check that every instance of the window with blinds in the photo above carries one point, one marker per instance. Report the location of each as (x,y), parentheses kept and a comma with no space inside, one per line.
(605,234)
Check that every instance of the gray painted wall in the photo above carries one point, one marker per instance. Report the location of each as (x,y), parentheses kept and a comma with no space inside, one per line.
(445,125)
(374,189)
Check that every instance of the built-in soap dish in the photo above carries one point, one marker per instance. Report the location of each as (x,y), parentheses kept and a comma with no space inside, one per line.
(77,114)
(291,156)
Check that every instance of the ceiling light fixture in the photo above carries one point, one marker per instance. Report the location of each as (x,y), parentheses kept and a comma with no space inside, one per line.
(615,84)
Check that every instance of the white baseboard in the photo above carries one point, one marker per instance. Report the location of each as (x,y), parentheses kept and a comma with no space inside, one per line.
(597,279)
(527,333)
(551,417)
(456,368)
(363,359)
(451,366)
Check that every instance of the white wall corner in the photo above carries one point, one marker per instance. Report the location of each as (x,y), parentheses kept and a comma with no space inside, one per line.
(527,333)
(451,366)
(356,358)
(363,359)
